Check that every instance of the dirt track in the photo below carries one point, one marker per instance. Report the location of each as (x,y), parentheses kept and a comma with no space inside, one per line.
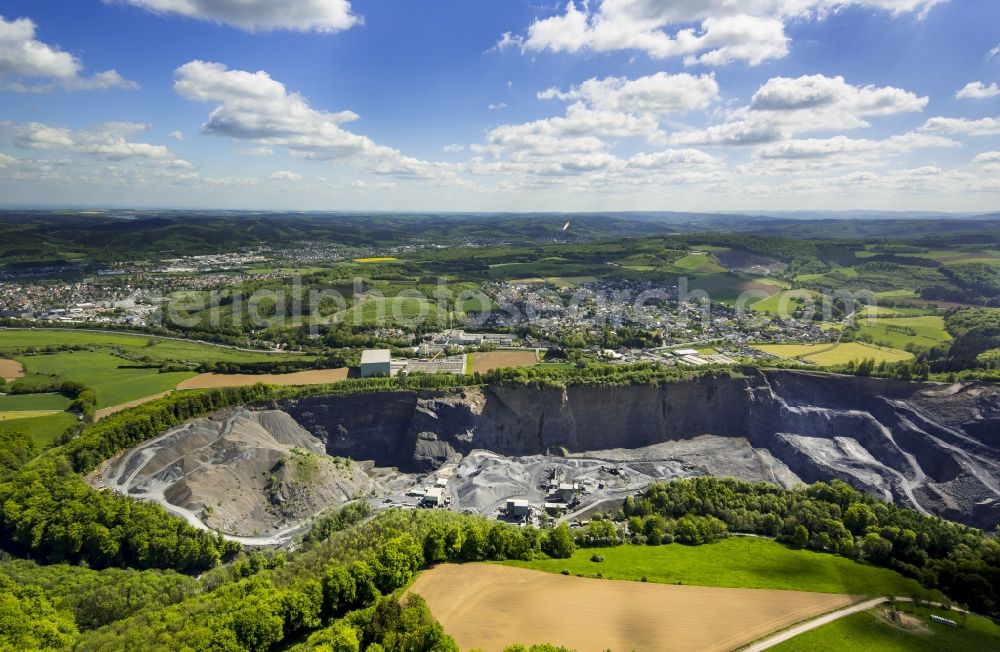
(10,369)
(483,362)
(312,377)
(108,411)
(488,607)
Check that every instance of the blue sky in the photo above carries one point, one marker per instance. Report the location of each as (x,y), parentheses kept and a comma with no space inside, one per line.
(458,105)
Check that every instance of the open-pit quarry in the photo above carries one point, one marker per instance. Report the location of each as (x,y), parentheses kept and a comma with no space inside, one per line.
(265,471)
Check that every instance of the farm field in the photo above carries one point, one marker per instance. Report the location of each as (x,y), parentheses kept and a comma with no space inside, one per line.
(377,259)
(21,402)
(952,256)
(888,312)
(826,355)
(108,411)
(927,331)
(489,606)
(102,372)
(10,369)
(737,562)
(16,340)
(897,294)
(696,263)
(42,430)
(856,351)
(789,299)
(870,631)
(400,309)
(311,377)
(546,268)
(287,271)
(726,287)
(487,361)
(558,281)
(26,414)
(478,302)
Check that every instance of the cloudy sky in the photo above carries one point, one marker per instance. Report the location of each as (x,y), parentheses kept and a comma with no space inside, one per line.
(512,105)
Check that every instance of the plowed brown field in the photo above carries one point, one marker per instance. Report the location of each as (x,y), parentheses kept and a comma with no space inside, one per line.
(312,377)
(10,369)
(488,607)
(483,362)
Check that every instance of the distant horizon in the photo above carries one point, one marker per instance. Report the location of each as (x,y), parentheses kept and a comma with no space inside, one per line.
(861,213)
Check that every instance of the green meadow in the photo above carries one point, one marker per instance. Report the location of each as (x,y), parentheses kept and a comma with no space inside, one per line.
(738,562)
(112,377)
(18,340)
(926,331)
(26,402)
(868,631)
(42,430)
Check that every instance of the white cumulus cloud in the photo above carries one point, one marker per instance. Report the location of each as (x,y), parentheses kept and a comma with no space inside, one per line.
(752,31)
(259,15)
(989,161)
(658,94)
(784,106)
(253,107)
(838,145)
(987,157)
(284,175)
(963,126)
(977,90)
(30,65)
(819,92)
(110,140)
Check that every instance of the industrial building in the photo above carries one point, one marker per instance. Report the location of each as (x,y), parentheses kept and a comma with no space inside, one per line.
(433,498)
(455,337)
(566,492)
(376,362)
(518,507)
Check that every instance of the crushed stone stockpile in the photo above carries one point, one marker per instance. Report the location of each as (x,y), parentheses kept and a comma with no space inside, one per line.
(930,447)
(240,472)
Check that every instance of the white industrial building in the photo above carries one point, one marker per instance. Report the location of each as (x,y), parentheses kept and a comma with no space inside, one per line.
(376,362)
(434,497)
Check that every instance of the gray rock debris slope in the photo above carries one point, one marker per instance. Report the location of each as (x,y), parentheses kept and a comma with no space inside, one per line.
(926,446)
(239,472)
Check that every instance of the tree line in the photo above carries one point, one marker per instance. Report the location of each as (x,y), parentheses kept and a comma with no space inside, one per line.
(342,592)
(962,562)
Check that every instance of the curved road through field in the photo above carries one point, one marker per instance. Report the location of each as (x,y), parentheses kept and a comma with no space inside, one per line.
(825,619)
(802,628)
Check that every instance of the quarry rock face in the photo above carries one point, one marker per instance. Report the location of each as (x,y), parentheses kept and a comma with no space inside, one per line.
(930,447)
